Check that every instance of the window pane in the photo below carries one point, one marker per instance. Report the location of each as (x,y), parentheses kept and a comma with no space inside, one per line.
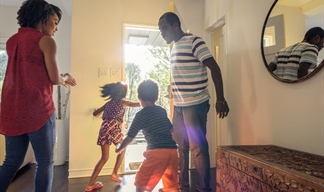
(3,66)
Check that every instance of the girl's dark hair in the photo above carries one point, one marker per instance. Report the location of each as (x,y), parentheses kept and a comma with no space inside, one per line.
(171,18)
(33,11)
(148,90)
(114,91)
(313,32)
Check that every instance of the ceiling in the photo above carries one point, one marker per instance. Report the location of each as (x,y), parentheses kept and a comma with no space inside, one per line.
(308,7)
(145,37)
(294,3)
(137,36)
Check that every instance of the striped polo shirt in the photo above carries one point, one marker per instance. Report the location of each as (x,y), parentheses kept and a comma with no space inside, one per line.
(288,59)
(188,73)
(156,127)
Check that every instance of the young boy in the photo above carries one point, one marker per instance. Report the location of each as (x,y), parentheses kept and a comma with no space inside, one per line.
(161,157)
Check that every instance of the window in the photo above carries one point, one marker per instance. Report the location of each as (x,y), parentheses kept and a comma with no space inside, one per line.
(3,66)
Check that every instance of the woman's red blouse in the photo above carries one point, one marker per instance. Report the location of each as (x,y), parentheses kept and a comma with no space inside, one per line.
(26,99)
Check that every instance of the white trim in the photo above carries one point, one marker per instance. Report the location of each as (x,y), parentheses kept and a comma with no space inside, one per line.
(213,122)
(220,22)
(77,173)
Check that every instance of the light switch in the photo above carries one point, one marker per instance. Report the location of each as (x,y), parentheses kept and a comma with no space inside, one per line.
(103,72)
(115,73)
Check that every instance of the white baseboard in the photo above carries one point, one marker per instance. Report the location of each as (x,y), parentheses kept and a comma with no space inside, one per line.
(77,173)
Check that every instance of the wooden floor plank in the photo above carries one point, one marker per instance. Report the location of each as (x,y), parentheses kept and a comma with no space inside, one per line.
(24,181)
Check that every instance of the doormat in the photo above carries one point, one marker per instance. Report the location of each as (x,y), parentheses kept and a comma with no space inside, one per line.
(134,165)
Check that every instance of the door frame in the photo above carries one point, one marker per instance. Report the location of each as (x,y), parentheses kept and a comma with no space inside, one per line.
(124,41)
(213,120)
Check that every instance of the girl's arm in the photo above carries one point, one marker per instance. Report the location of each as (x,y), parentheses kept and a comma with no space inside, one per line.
(99,111)
(131,104)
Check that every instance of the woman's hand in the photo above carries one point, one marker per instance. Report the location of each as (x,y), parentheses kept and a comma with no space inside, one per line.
(68,80)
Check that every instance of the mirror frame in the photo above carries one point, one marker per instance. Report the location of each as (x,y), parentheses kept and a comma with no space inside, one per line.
(318,68)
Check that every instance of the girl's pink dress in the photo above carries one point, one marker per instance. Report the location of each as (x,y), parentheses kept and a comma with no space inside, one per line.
(111,127)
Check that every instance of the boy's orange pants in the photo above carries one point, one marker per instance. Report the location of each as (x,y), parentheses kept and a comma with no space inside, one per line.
(158,163)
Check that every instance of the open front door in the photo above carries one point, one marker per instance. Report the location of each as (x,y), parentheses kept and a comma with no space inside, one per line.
(146,56)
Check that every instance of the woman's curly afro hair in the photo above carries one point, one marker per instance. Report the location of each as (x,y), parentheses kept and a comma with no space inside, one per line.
(34,11)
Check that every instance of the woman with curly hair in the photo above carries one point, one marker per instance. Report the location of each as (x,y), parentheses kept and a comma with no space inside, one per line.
(27,108)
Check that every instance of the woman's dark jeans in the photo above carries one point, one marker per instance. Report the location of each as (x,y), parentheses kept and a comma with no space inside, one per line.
(42,141)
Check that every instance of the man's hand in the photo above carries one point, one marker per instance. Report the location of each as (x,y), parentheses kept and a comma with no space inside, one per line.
(221,105)
(222,108)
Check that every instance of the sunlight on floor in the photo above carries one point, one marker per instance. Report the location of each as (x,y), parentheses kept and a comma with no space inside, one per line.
(130,179)
(134,153)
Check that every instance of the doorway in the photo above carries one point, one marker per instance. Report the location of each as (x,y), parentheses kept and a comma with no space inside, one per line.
(220,45)
(146,55)
(217,132)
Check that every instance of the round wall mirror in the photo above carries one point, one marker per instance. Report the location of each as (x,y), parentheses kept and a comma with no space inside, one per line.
(286,25)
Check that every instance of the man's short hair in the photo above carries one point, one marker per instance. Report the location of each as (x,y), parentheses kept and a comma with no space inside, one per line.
(171,18)
(148,90)
(313,32)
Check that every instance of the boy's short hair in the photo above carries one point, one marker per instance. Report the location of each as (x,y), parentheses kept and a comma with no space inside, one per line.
(148,90)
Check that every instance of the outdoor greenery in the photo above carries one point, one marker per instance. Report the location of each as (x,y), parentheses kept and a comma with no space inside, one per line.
(3,66)
(133,77)
(159,72)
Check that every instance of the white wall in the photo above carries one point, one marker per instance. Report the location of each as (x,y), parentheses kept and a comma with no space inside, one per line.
(63,42)
(264,110)
(8,24)
(97,42)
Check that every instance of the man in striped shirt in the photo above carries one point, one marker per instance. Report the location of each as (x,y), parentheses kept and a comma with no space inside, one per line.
(190,59)
(293,62)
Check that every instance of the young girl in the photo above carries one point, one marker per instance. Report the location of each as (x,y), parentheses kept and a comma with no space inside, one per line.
(111,128)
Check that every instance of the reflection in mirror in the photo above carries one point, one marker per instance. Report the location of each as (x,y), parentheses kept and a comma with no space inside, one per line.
(269,37)
(285,28)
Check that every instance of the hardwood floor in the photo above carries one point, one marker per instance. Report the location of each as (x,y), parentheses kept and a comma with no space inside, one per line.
(24,181)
